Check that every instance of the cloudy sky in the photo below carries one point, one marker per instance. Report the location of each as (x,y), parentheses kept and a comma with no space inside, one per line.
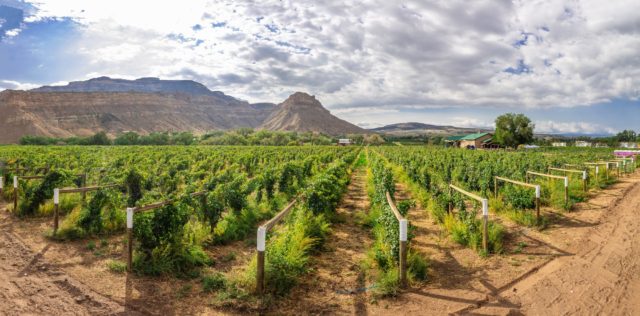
(572,66)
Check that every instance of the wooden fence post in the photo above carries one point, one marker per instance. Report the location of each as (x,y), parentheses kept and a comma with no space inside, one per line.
(84,184)
(597,175)
(15,193)
(260,246)
(403,251)
(130,211)
(538,203)
(495,187)
(485,226)
(1,187)
(56,209)
(584,181)
(566,190)
(450,201)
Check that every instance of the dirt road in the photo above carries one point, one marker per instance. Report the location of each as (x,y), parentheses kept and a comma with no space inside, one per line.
(30,286)
(602,278)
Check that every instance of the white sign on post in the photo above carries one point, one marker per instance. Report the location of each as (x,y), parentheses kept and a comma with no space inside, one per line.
(1,182)
(129,217)
(262,237)
(403,229)
(485,207)
(56,196)
(584,175)
(537,191)
(566,182)
(15,182)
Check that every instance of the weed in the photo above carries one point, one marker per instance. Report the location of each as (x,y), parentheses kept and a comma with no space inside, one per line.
(213,282)
(117,266)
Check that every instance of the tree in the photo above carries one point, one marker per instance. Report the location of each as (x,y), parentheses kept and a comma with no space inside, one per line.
(99,138)
(626,136)
(513,129)
(373,139)
(127,138)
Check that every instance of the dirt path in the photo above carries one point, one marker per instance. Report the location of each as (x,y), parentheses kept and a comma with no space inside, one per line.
(337,284)
(461,282)
(28,285)
(603,277)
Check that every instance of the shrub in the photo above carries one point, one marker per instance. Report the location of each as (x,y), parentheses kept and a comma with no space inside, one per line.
(213,282)
(36,195)
(117,266)
(163,245)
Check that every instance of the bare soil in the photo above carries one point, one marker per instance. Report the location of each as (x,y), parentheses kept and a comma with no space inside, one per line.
(586,262)
(337,284)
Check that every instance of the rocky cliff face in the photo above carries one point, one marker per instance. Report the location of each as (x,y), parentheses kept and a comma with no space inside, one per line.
(149,85)
(304,113)
(152,105)
(64,114)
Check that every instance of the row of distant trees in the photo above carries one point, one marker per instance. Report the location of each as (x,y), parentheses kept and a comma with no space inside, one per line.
(243,136)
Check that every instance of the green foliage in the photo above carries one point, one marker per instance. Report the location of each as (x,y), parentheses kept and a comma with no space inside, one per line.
(116,266)
(213,282)
(36,195)
(133,183)
(513,130)
(91,220)
(519,197)
(163,245)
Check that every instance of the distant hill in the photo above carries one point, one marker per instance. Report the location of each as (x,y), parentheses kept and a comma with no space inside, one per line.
(304,113)
(414,128)
(152,105)
(148,85)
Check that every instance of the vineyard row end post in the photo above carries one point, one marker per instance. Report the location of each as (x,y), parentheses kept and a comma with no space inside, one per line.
(261,246)
(485,225)
(538,203)
(56,209)
(566,190)
(130,211)
(1,186)
(403,251)
(15,193)
(84,184)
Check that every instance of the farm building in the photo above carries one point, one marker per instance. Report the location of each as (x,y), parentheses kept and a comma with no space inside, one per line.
(559,144)
(344,142)
(628,145)
(581,143)
(471,141)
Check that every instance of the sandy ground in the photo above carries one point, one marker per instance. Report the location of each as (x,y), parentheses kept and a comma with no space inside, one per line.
(587,262)
(29,285)
(336,284)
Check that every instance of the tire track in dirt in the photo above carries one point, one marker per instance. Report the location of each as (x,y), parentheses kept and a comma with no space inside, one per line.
(337,284)
(28,285)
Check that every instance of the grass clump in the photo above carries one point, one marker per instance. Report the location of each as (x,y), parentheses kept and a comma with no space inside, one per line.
(213,282)
(116,266)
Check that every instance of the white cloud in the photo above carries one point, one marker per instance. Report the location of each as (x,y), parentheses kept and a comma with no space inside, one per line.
(572,127)
(14,85)
(371,54)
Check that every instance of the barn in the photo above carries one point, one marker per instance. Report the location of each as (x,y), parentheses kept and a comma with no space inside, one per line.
(471,141)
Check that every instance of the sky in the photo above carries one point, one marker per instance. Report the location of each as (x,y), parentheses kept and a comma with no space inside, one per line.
(571,66)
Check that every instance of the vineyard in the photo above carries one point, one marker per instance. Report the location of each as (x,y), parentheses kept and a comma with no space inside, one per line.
(249,226)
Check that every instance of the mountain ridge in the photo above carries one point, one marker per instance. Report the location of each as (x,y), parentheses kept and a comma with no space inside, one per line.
(146,105)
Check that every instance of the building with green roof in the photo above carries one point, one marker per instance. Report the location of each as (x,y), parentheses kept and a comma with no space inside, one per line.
(471,141)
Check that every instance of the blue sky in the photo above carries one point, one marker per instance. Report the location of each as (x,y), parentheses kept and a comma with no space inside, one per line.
(572,66)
